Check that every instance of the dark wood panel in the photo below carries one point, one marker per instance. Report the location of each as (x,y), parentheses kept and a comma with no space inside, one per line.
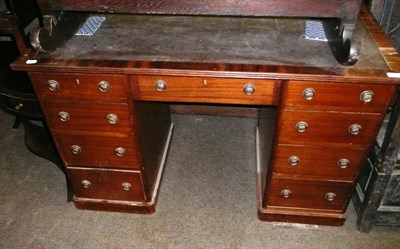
(215,110)
(316,8)
(152,126)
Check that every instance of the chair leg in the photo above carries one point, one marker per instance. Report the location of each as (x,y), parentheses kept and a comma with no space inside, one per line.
(17,122)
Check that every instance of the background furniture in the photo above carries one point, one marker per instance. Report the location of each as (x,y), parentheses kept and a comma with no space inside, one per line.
(17,19)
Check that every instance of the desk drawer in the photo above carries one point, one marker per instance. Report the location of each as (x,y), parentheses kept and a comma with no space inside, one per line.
(104,184)
(338,96)
(115,151)
(300,193)
(4,25)
(82,87)
(206,90)
(325,162)
(27,107)
(92,117)
(328,127)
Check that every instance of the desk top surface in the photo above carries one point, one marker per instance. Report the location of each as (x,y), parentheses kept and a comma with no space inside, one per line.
(240,45)
(263,41)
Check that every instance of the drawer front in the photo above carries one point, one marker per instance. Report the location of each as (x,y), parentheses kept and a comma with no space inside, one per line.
(206,90)
(106,184)
(338,96)
(92,117)
(21,106)
(4,25)
(80,86)
(310,194)
(343,163)
(300,127)
(106,152)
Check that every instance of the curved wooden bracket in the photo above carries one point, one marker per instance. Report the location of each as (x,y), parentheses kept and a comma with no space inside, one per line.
(341,42)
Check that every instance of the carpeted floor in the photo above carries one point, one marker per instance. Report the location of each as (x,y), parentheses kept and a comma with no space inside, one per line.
(207,200)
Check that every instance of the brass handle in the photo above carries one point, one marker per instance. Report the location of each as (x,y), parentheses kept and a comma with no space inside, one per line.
(19,107)
(120,151)
(343,163)
(294,160)
(355,129)
(301,126)
(53,85)
(366,96)
(308,93)
(126,186)
(161,85)
(249,89)
(330,196)
(112,118)
(76,149)
(64,116)
(104,86)
(286,193)
(86,183)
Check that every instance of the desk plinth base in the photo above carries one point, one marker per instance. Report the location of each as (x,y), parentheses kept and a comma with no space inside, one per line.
(115,206)
(272,214)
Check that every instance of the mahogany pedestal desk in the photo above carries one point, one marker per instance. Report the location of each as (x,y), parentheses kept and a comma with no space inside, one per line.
(107,96)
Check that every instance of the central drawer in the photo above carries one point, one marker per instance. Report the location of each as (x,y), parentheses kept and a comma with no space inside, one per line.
(206,90)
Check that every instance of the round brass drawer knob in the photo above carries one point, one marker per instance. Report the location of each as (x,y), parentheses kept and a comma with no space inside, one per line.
(120,151)
(286,193)
(249,89)
(366,96)
(161,85)
(19,107)
(308,93)
(126,186)
(86,184)
(112,118)
(301,126)
(294,160)
(104,86)
(355,129)
(53,85)
(330,196)
(76,149)
(343,163)
(64,116)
